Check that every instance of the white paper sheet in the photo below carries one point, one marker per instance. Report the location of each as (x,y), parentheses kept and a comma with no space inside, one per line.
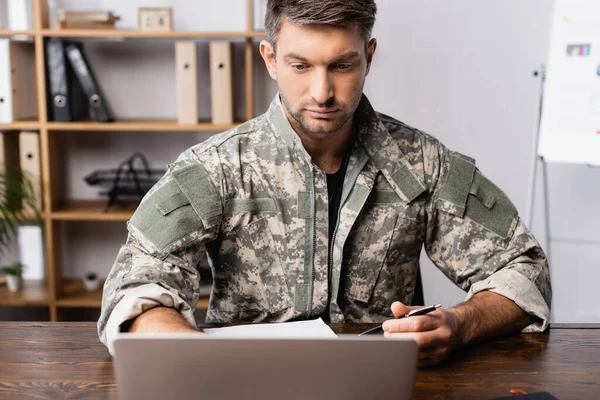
(316,329)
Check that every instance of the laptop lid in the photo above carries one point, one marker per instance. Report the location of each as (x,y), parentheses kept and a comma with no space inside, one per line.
(193,366)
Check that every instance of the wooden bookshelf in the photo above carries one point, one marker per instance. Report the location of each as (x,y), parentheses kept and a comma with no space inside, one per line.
(9,33)
(139,126)
(75,295)
(137,34)
(33,294)
(20,126)
(55,291)
(93,210)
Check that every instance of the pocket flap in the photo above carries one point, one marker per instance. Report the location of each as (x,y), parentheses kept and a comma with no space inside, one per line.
(172,203)
(485,196)
(455,190)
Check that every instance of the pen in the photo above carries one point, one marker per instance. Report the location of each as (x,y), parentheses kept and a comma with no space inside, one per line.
(418,311)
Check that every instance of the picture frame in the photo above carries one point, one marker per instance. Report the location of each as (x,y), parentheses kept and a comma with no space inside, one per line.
(155,18)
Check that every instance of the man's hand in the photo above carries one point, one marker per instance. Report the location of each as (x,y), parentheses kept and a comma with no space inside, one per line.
(435,333)
(159,319)
(486,315)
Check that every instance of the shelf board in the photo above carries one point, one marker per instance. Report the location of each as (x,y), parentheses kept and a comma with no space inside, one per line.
(93,210)
(74,295)
(33,294)
(139,126)
(9,33)
(20,125)
(123,33)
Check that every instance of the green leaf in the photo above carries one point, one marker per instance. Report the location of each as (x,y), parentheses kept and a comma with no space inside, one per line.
(17,189)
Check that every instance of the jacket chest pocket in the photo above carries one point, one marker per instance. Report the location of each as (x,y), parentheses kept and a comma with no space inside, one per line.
(383,258)
(249,278)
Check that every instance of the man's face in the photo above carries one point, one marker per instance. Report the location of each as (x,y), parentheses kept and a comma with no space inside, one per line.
(320,72)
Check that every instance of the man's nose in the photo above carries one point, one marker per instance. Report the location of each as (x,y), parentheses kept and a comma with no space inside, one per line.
(322,88)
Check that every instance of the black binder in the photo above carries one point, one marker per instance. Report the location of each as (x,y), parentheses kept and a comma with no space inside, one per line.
(66,100)
(98,105)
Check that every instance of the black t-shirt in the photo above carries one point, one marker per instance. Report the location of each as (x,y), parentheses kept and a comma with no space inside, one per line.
(335,182)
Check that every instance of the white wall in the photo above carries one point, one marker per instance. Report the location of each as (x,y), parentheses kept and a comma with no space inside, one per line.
(460,70)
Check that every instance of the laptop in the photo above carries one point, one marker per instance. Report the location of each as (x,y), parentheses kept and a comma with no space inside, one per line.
(192,366)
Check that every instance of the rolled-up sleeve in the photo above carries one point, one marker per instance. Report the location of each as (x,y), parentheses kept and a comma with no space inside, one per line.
(477,239)
(139,300)
(139,281)
(515,286)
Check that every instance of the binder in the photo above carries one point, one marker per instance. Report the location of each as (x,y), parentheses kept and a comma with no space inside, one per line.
(98,105)
(260,8)
(9,166)
(221,77)
(65,98)
(19,15)
(29,146)
(18,92)
(3,14)
(31,251)
(5,83)
(186,69)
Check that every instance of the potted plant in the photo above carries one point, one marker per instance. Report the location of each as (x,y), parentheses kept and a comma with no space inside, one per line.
(13,274)
(91,282)
(17,204)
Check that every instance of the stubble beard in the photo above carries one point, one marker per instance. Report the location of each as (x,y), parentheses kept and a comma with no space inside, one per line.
(332,126)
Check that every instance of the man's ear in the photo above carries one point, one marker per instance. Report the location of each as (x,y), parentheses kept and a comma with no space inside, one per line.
(371,47)
(268,54)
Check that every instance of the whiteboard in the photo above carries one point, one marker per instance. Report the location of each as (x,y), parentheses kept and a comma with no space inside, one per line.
(570,124)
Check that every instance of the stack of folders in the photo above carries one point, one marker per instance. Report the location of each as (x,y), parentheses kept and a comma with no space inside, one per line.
(221,82)
(67,19)
(73,90)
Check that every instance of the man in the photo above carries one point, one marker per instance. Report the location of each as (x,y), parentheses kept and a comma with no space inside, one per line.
(320,208)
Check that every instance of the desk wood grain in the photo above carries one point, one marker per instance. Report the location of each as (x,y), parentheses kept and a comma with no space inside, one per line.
(66,360)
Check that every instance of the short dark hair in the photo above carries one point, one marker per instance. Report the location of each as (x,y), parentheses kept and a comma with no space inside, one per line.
(339,13)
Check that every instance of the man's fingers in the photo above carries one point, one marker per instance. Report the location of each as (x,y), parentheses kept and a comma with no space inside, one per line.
(424,340)
(399,309)
(418,323)
(432,350)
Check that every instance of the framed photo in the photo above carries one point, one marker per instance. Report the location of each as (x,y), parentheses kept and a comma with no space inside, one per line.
(155,19)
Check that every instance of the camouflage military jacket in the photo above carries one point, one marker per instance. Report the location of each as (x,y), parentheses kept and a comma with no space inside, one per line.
(252,200)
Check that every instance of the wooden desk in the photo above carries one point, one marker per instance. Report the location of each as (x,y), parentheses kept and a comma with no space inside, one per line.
(65,359)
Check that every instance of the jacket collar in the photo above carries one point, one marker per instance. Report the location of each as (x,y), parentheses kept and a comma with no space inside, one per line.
(373,137)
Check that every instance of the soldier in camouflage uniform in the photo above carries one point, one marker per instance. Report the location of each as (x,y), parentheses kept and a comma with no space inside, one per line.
(284,244)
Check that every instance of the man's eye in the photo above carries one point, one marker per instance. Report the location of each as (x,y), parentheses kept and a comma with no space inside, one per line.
(298,67)
(343,67)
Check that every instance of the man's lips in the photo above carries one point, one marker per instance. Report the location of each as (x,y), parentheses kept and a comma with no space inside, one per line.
(321,113)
